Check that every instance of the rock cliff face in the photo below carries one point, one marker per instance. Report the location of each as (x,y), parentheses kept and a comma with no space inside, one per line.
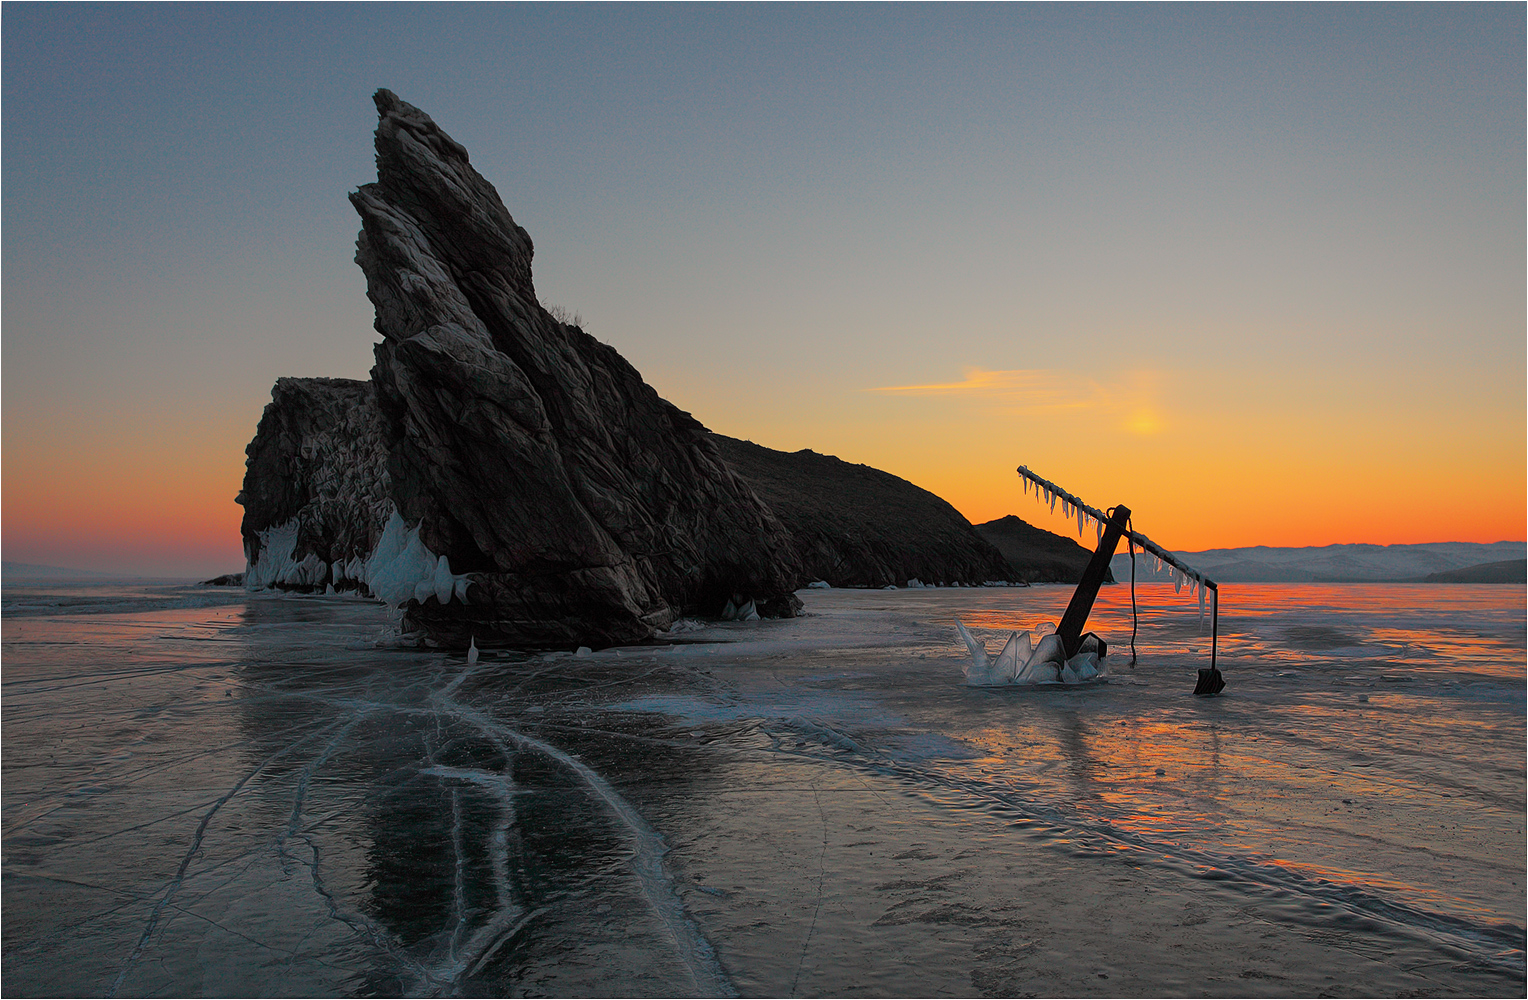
(506,477)
(315,486)
(856,526)
(561,499)
(1037,555)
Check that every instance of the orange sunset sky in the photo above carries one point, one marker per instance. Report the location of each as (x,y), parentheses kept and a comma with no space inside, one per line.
(1257,273)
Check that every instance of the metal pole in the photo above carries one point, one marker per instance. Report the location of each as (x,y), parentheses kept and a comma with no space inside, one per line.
(1076,616)
(1214,621)
(1210,681)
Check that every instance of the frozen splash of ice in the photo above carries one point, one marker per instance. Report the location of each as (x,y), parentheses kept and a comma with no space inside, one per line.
(979,670)
(1025,662)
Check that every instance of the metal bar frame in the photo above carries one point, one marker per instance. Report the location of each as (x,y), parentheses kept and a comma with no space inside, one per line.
(1149,546)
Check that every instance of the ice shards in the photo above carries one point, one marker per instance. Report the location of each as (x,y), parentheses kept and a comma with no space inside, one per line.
(978,669)
(1023,661)
(1013,658)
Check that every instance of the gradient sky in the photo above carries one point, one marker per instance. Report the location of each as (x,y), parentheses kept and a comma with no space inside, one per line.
(1255,271)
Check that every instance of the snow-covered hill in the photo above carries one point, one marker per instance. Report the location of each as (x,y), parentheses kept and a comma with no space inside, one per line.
(1264,564)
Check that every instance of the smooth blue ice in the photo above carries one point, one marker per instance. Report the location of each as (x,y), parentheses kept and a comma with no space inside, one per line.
(211,793)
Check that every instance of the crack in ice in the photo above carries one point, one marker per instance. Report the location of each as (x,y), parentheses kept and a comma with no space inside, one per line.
(694,951)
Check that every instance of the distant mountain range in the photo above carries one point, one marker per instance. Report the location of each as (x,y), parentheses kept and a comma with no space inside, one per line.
(1445,562)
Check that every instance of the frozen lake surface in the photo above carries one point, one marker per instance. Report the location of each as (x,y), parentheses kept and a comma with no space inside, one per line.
(208,794)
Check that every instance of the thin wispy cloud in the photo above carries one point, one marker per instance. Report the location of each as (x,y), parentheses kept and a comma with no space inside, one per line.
(1131,400)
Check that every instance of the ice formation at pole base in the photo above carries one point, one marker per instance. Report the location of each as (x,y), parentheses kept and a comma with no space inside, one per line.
(1023,661)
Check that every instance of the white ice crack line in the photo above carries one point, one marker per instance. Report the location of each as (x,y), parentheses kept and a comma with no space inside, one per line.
(191,852)
(695,952)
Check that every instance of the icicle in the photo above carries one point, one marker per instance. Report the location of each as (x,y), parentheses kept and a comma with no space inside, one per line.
(1053,499)
(1100,526)
(1201,607)
(1082,521)
(472,651)
(1177,581)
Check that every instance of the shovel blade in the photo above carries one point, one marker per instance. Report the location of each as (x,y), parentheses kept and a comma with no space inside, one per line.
(1210,682)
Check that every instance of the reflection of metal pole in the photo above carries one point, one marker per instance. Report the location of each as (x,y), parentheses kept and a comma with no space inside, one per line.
(1070,629)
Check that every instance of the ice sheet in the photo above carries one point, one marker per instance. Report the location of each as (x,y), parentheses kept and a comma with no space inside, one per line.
(283,796)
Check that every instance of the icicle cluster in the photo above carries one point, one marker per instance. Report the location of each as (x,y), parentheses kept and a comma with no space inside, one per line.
(1184,577)
(1072,507)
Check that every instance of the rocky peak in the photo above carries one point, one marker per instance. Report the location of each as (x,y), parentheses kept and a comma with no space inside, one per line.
(521,449)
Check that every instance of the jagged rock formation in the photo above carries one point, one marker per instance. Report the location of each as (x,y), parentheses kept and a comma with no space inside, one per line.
(527,457)
(315,486)
(852,525)
(1037,555)
(504,476)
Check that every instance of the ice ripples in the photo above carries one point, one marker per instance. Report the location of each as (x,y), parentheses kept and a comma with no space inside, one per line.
(1318,897)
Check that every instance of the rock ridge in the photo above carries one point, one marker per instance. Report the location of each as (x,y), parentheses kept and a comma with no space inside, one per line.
(505,477)
(855,526)
(315,493)
(527,455)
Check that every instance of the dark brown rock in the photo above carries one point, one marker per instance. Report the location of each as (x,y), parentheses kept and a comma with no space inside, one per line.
(852,525)
(315,486)
(1037,555)
(580,506)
